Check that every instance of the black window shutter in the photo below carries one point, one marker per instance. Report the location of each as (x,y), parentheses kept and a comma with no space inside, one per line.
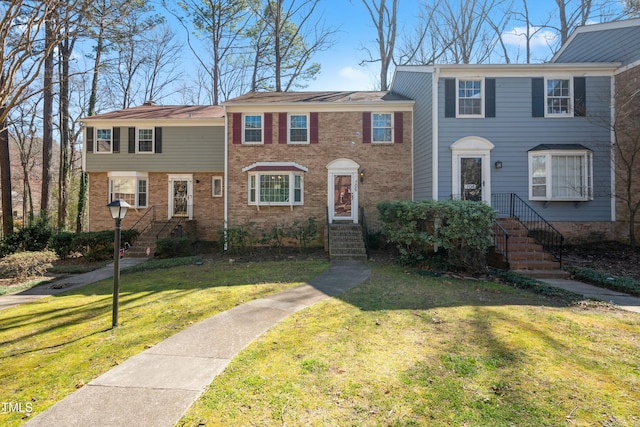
(579,97)
(537,97)
(366,127)
(132,140)
(490,97)
(89,141)
(116,140)
(158,132)
(449,97)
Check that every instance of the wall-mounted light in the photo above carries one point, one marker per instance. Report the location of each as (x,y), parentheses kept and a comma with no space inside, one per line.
(498,164)
(361,175)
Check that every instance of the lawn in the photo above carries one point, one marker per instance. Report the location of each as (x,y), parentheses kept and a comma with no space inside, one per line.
(408,350)
(51,347)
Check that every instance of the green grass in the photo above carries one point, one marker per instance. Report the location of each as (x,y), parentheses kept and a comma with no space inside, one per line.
(50,347)
(408,350)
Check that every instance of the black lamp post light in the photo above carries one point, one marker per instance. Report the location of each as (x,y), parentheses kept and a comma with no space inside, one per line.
(118,209)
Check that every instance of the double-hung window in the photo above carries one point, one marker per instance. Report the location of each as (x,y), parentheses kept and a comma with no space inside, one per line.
(298,129)
(252,129)
(132,187)
(470,98)
(562,174)
(145,140)
(382,127)
(558,97)
(103,141)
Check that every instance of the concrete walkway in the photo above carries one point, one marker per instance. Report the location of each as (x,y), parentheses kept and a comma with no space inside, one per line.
(65,284)
(157,386)
(621,300)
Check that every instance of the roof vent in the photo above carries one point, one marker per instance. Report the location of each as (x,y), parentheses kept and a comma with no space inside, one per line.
(149,103)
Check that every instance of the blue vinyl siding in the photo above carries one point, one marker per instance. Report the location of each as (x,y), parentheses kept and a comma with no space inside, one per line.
(418,86)
(514,131)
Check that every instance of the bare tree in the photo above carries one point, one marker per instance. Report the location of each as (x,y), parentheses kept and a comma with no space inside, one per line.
(24,125)
(297,36)
(159,71)
(385,22)
(23,51)
(626,148)
(221,25)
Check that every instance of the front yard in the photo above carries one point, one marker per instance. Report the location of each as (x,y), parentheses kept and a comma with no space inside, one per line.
(401,349)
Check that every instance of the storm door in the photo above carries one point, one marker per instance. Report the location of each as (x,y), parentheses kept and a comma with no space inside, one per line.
(471,178)
(342,197)
(180,196)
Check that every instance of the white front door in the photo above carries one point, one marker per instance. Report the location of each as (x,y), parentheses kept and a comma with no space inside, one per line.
(180,196)
(342,190)
(471,174)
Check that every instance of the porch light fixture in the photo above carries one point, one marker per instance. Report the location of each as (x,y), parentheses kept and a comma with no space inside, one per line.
(118,210)
(498,164)
(361,175)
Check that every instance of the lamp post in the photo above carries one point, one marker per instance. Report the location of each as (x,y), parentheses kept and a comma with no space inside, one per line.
(118,209)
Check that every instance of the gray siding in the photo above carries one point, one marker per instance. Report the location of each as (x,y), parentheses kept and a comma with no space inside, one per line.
(615,45)
(184,149)
(513,132)
(418,86)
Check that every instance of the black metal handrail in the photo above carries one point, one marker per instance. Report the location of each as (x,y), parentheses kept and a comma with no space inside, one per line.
(168,223)
(511,205)
(501,240)
(365,231)
(140,224)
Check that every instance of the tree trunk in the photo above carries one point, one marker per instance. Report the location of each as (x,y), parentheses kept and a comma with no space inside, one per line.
(5,178)
(47,127)
(63,178)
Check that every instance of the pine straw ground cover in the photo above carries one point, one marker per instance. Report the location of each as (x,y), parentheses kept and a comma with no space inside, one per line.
(51,347)
(404,349)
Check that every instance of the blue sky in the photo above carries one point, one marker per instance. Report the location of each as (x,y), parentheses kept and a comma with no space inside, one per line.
(340,64)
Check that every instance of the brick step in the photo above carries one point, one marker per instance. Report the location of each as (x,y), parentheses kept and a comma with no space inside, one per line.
(534,265)
(350,257)
(544,274)
(530,255)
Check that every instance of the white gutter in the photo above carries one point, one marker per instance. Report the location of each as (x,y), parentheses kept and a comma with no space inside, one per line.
(226,174)
(434,136)
(613,151)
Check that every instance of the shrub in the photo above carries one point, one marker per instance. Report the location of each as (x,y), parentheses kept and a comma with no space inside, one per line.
(239,238)
(176,247)
(24,264)
(462,228)
(63,244)
(616,283)
(32,238)
(303,232)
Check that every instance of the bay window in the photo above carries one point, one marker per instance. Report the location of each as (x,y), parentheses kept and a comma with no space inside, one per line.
(564,173)
(132,187)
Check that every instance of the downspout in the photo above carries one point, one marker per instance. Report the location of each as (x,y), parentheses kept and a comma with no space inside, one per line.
(434,135)
(612,149)
(226,175)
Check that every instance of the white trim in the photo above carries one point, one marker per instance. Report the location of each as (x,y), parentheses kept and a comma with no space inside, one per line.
(346,167)
(435,96)
(482,97)
(570,106)
(180,177)
(95,140)
(627,67)
(392,127)
(275,165)
(613,151)
(308,141)
(244,117)
(472,147)
(213,186)
(137,140)
(126,174)
(589,69)
(549,154)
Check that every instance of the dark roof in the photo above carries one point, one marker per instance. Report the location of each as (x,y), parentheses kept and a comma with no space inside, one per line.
(315,97)
(564,147)
(168,112)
